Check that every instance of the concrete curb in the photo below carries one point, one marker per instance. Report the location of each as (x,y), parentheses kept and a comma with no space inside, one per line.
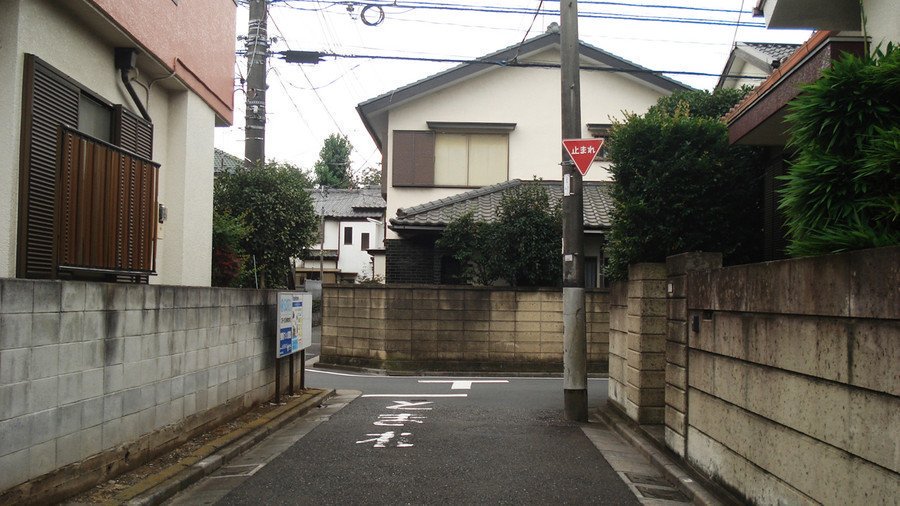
(447,374)
(210,457)
(696,487)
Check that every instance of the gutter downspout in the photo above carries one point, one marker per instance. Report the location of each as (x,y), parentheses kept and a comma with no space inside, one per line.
(126,58)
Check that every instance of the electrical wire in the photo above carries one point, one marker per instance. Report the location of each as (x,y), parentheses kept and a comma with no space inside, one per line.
(291,99)
(536,13)
(519,10)
(512,63)
(313,89)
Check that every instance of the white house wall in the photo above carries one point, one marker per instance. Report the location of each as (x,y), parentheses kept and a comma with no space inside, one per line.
(350,257)
(742,68)
(882,21)
(11,112)
(182,144)
(528,97)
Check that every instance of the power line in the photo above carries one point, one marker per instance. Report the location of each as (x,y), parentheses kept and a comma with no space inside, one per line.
(651,6)
(520,10)
(313,88)
(302,57)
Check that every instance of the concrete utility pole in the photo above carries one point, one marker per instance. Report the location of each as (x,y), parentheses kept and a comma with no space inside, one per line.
(257,56)
(574,337)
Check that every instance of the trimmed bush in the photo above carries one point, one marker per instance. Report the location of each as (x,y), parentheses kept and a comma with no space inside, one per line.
(681,187)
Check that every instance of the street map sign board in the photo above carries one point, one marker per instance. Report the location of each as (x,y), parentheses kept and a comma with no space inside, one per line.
(294,323)
(583,152)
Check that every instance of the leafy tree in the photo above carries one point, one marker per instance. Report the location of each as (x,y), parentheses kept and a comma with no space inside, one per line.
(522,246)
(228,256)
(680,186)
(276,208)
(699,103)
(333,167)
(842,191)
(370,176)
(529,237)
(471,243)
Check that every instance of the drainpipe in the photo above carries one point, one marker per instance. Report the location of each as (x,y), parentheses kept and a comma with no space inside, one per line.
(126,58)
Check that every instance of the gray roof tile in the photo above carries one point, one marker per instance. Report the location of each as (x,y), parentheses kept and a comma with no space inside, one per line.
(775,51)
(225,162)
(484,201)
(361,203)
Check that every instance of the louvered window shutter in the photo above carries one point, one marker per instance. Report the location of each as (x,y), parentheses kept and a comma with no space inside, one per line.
(133,132)
(413,163)
(49,102)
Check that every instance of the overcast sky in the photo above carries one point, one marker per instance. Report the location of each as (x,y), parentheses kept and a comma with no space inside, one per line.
(306,103)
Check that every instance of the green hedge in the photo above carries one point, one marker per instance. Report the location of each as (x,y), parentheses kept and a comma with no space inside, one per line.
(842,191)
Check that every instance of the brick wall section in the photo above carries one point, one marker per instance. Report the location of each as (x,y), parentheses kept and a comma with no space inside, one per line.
(639,387)
(793,378)
(411,261)
(677,326)
(618,342)
(95,378)
(454,328)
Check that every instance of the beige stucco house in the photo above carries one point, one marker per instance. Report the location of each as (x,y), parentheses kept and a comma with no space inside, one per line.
(106,158)
(482,124)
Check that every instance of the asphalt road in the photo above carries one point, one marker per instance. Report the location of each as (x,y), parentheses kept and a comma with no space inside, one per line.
(432,441)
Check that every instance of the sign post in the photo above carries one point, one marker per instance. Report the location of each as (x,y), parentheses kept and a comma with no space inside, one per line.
(294,333)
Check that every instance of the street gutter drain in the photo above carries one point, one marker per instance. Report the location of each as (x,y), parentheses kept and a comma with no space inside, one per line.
(645,479)
(661,493)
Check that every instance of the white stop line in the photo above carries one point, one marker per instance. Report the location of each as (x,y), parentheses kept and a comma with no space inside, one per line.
(462,384)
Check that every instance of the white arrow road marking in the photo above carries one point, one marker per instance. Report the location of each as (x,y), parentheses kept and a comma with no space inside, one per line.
(410,405)
(463,384)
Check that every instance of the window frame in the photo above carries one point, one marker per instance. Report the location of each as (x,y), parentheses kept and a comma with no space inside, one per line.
(468,158)
(601,131)
(348,236)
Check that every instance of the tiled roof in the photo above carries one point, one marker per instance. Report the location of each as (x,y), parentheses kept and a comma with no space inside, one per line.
(786,68)
(484,201)
(225,162)
(361,203)
(774,51)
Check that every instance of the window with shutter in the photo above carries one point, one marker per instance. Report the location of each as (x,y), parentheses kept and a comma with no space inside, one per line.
(413,163)
(87,207)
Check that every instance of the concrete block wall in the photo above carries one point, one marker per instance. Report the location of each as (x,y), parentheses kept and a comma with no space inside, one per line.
(95,378)
(639,387)
(677,326)
(618,342)
(793,379)
(427,327)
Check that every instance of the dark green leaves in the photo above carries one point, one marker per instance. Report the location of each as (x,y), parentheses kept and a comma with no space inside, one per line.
(680,186)
(842,190)
(332,169)
(521,247)
(276,211)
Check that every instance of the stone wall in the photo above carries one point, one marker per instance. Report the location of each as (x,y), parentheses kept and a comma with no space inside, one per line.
(793,379)
(97,378)
(637,343)
(453,328)
(677,268)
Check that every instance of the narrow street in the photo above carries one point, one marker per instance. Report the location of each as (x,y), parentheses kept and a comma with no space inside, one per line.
(424,440)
